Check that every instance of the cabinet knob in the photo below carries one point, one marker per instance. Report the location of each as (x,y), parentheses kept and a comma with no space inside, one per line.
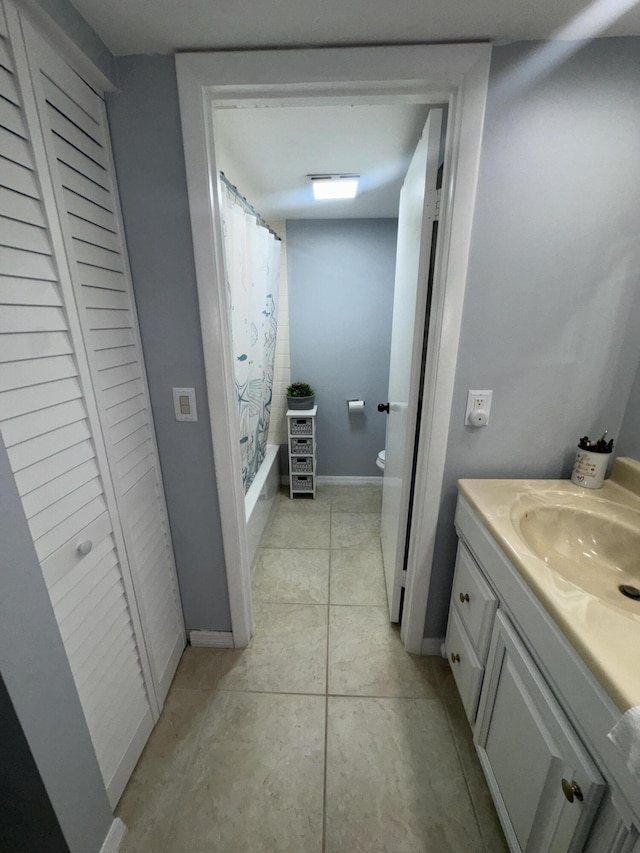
(572,790)
(84,547)
(464,596)
(455,658)
(383,407)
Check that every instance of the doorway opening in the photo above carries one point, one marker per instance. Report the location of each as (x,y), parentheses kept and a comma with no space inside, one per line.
(452,74)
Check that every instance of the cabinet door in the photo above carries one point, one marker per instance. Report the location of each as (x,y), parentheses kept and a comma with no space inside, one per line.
(528,750)
(76,140)
(465,666)
(474,600)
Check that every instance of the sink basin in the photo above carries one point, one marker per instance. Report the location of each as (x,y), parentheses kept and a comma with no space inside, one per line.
(596,549)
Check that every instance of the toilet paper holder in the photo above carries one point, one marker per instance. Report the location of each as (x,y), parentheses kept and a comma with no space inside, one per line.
(355,405)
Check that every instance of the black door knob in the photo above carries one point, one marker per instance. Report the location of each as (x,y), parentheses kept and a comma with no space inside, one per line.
(383,407)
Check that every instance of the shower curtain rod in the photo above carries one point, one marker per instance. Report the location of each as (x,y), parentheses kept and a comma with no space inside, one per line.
(242,201)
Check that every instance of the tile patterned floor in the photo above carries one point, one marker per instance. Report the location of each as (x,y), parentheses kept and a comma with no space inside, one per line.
(323,736)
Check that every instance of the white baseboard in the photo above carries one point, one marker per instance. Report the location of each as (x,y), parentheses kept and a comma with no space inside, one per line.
(339,481)
(432,646)
(348,481)
(115,837)
(211,639)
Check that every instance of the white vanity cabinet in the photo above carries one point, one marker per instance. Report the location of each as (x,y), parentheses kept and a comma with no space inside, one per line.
(538,715)
(545,786)
(473,605)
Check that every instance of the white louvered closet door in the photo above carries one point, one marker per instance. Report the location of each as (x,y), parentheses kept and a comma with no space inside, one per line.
(73,119)
(49,425)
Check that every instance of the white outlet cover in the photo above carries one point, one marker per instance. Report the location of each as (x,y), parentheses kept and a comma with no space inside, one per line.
(478,401)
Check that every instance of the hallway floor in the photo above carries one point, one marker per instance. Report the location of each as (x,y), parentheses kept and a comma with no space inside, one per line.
(323,736)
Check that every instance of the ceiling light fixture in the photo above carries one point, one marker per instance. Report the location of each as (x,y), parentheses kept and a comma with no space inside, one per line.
(332,187)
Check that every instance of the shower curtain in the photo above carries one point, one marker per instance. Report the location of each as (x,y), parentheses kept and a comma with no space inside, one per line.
(252,255)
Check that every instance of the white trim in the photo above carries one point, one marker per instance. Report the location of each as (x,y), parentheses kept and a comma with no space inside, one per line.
(329,480)
(211,639)
(64,44)
(115,837)
(460,179)
(457,73)
(432,646)
(348,481)
(206,224)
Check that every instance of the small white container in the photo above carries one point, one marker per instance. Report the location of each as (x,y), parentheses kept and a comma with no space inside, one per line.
(589,469)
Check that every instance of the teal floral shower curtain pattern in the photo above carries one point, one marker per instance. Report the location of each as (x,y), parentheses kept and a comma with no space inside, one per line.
(252,256)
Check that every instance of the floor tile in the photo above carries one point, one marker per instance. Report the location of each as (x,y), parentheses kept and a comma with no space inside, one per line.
(394,781)
(202,669)
(367,658)
(149,801)
(288,652)
(357,577)
(490,828)
(320,504)
(355,529)
(290,529)
(256,779)
(291,575)
(366,498)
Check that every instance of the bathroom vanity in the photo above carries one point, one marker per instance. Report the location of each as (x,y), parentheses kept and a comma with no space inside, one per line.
(545,652)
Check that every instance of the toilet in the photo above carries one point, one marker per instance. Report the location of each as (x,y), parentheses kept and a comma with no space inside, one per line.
(380,459)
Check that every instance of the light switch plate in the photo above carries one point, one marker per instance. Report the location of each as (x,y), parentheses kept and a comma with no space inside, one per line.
(184,404)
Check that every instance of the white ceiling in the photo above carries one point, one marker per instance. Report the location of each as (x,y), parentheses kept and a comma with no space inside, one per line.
(267,153)
(162,26)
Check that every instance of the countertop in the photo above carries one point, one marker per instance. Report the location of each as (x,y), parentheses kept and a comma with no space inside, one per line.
(606,635)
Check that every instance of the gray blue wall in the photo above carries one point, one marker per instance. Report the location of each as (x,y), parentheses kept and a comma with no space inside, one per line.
(552,312)
(39,683)
(144,119)
(341,276)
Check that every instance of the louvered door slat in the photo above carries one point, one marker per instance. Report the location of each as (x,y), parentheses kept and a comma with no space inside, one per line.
(52,517)
(8,88)
(90,233)
(36,371)
(46,424)
(65,129)
(87,210)
(21,207)
(17,430)
(80,162)
(11,118)
(44,446)
(60,101)
(18,178)
(26,265)
(21,235)
(21,291)
(40,498)
(14,147)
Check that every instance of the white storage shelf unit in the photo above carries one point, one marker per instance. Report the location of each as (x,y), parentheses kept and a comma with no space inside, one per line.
(302,451)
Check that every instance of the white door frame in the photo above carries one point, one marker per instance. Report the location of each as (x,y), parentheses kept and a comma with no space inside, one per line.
(456,74)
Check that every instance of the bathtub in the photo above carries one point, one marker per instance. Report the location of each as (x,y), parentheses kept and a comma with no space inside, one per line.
(259,499)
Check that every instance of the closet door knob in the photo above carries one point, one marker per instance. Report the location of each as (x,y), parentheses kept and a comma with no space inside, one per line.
(84,547)
(383,407)
(464,596)
(455,658)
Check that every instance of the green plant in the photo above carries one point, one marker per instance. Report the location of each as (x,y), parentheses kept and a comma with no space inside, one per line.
(300,389)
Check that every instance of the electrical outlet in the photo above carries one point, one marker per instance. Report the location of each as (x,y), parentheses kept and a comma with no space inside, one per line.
(477,402)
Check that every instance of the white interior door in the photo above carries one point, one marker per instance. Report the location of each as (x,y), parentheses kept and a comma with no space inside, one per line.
(415,222)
